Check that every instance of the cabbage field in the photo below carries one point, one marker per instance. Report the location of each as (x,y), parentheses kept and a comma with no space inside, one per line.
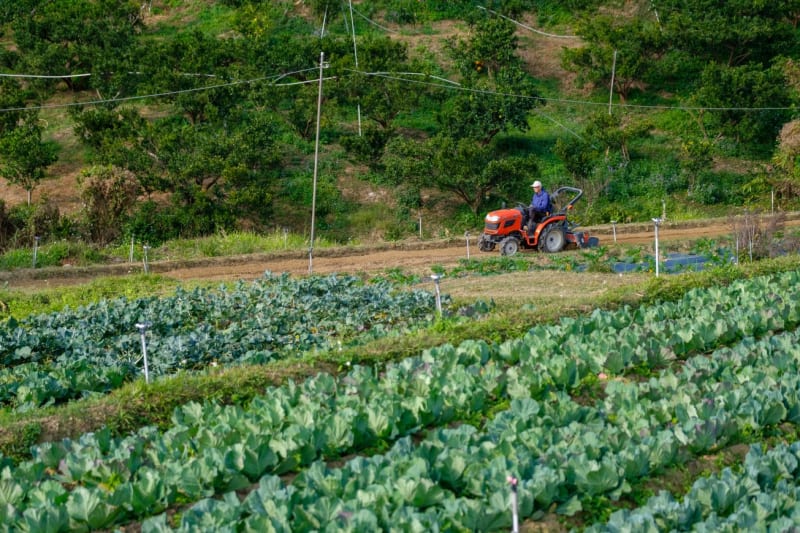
(582,412)
(57,357)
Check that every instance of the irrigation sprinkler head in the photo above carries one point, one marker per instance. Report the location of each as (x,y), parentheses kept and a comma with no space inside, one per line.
(657,221)
(436,277)
(142,326)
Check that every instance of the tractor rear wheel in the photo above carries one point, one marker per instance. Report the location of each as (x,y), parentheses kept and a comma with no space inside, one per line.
(484,244)
(509,246)
(553,240)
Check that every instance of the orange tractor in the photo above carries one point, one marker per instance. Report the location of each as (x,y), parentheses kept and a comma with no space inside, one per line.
(511,229)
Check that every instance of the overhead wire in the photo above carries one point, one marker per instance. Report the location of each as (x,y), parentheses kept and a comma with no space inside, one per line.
(521,25)
(444,84)
(274,79)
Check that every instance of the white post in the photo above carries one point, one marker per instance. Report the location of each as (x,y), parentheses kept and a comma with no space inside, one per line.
(614,229)
(142,329)
(436,278)
(144,260)
(316,166)
(663,209)
(466,236)
(514,505)
(355,60)
(772,200)
(420,225)
(611,89)
(285,237)
(35,249)
(657,222)
(130,254)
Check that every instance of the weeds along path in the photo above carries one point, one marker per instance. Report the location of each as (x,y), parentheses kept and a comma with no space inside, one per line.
(416,257)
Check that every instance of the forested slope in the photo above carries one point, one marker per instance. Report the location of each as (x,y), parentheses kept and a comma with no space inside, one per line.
(194,117)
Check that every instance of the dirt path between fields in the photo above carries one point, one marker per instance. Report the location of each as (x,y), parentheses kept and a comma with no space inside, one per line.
(416,257)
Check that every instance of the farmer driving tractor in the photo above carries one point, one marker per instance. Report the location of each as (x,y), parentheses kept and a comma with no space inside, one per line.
(541,206)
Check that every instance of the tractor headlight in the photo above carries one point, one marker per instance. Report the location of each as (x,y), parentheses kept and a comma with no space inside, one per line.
(492,218)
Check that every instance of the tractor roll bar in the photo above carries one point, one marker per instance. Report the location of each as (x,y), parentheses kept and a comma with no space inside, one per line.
(578,194)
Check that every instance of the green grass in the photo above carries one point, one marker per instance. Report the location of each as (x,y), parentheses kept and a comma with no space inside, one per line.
(76,253)
(57,253)
(188,15)
(19,303)
(235,243)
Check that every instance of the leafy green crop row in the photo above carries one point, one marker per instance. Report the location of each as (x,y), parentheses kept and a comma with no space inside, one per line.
(763,497)
(59,356)
(563,453)
(211,449)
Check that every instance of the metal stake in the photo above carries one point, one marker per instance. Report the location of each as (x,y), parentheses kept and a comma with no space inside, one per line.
(614,229)
(35,249)
(142,327)
(130,255)
(285,237)
(144,260)
(436,278)
(514,505)
(657,222)
(322,65)
(466,236)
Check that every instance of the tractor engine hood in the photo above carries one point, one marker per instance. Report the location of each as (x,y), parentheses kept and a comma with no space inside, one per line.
(502,214)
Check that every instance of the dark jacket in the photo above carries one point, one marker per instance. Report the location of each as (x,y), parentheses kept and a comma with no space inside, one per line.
(541,202)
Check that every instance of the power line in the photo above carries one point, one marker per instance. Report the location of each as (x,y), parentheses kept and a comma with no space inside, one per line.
(534,30)
(135,72)
(452,86)
(274,78)
(53,77)
(573,102)
(384,28)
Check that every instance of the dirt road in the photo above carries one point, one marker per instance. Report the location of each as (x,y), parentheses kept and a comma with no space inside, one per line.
(416,257)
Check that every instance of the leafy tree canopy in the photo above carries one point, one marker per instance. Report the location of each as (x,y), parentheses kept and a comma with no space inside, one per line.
(730,32)
(76,36)
(24,156)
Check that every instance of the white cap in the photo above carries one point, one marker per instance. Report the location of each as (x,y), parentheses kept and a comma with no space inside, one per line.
(537,183)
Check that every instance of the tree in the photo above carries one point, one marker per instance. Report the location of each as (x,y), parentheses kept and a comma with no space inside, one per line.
(12,97)
(578,156)
(737,92)
(108,194)
(731,33)
(75,36)
(492,45)
(188,62)
(463,157)
(490,107)
(611,134)
(469,171)
(385,91)
(786,181)
(638,43)
(24,156)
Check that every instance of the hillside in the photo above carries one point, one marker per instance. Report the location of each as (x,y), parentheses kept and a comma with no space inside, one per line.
(460,108)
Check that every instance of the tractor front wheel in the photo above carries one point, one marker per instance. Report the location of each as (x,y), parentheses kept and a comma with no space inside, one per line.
(485,244)
(509,246)
(553,240)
